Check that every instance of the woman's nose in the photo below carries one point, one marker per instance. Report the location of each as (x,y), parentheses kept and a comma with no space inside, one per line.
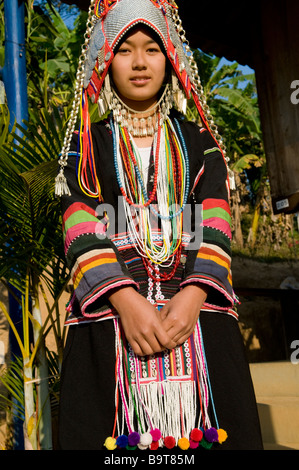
(139,60)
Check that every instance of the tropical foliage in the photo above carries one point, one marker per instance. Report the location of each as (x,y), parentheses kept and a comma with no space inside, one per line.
(32,263)
(233,101)
(32,259)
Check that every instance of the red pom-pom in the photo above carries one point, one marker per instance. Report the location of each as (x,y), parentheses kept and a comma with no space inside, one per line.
(154,445)
(169,442)
(196,435)
(156,434)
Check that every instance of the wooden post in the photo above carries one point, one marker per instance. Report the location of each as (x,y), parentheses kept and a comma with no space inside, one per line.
(277,75)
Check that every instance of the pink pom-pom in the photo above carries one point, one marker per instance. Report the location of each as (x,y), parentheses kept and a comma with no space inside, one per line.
(193,444)
(196,435)
(211,435)
(156,434)
(169,442)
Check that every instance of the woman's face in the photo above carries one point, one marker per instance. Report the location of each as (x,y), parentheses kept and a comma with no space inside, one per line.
(138,70)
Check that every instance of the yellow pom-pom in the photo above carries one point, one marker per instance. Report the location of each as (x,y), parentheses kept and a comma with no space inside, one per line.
(222,435)
(183,443)
(110,443)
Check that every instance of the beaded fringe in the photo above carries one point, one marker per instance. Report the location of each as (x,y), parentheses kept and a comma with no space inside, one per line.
(159,410)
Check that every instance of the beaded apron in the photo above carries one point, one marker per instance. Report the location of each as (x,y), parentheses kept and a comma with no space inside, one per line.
(163,398)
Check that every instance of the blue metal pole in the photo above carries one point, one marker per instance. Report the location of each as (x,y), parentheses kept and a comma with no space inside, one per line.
(14,71)
(15,83)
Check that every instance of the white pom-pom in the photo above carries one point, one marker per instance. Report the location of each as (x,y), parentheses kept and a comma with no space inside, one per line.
(141,447)
(146,439)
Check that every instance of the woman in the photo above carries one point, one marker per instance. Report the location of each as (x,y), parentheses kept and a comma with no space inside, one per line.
(154,357)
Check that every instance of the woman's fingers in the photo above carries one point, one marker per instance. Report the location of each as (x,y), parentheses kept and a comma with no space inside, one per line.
(152,343)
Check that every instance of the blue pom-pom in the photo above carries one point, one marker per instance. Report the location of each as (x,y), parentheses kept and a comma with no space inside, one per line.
(211,435)
(133,439)
(122,441)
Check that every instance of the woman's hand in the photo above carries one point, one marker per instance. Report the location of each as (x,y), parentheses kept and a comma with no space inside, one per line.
(180,314)
(141,322)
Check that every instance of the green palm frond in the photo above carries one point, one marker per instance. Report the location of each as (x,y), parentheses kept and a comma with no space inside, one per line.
(30,227)
(243,106)
(12,379)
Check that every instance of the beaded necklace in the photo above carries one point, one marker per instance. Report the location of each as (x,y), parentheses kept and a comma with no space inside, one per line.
(141,123)
(164,204)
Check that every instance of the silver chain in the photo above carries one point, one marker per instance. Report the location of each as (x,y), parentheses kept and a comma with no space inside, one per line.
(91,20)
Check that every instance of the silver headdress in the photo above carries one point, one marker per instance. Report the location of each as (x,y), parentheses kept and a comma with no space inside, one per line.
(108,21)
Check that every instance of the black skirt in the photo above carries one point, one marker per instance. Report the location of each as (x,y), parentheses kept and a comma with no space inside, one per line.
(87,393)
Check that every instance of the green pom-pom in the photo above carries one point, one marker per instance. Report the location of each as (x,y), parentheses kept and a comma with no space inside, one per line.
(205,444)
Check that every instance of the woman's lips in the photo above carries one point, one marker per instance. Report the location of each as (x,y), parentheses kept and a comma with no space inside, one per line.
(140,80)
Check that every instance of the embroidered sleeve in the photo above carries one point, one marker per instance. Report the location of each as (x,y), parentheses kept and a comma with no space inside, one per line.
(211,263)
(94,262)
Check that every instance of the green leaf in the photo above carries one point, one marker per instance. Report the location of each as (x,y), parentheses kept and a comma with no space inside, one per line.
(247,161)
(56,66)
(244,105)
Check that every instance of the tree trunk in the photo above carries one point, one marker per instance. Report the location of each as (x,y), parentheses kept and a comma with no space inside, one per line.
(30,434)
(42,373)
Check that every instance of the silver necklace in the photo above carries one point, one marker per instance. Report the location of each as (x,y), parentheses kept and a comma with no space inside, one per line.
(142,123)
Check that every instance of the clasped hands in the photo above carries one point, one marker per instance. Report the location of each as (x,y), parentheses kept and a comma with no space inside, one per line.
(149,330)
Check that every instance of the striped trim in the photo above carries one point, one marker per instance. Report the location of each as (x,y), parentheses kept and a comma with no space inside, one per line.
(216,255)
(102,289)
(79,219)
(90,260)
(110,315)
(105,315)
(124,241)
(216,214)
(197,178)
(85,228)
(215,309)
(213,203)
(211,150)
(77,208)
(210,281)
